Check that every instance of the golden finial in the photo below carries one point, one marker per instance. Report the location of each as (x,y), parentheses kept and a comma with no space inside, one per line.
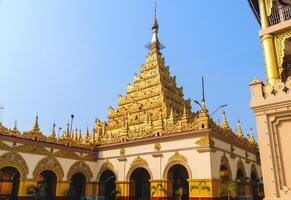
(80,136)
(224,121)
(68,134)
(53,133)
(93,140)
(239,132)
(87,136)
(36,125)
(76,135)
(252,137)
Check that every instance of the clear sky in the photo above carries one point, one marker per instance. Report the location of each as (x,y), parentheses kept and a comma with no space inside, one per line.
(59,57)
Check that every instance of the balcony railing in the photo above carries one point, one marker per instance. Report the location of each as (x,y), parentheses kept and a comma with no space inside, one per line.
(283,13)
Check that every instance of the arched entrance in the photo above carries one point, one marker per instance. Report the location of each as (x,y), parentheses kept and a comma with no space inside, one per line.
(178,186)
(107,185)
(256,185)
(49,179)
(9,183)
(77,186)
(140,184)
(240,177)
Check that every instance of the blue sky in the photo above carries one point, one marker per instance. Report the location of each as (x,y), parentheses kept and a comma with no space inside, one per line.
(76,56)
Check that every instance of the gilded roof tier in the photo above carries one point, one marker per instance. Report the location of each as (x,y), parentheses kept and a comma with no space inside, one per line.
(153,106)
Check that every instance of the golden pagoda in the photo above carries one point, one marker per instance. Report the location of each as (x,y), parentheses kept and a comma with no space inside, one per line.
(151,147)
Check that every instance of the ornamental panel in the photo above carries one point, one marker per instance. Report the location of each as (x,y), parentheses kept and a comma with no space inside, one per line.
(80,167)
(50,164)
(13,159)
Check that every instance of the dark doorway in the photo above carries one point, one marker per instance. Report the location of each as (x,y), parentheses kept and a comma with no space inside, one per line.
(9,183)
(49,179)
(77,187)
(241,186)
(257,186)
(140,184)
(178,188)
(107,185)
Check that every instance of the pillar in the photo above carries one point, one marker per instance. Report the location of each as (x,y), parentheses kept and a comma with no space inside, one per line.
(62,190)
(267,41)
(123,187)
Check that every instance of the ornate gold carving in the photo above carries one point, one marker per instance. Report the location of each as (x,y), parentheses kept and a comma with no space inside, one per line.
(157,146)
(122,152)
(205,141)
(280,47)
(138,162)
(48,163)
(66,154)
(107,165)
(32,148)
(15,160)
(269,5)
(80,167)
(177,157)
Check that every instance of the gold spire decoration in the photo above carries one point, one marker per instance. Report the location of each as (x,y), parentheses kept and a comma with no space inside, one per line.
(155,44)
(87,136)
(53,133)
(76,135)
(224,121)
(36,125)
(67,133)
(80,136)
(252,137)
(239,132)
(203,121)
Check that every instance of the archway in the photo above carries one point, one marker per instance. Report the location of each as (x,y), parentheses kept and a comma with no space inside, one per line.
(77,186)
(257,186)
(107,185)
(139,184)
(49,179)
(240,177)
(178,186)
(9,183)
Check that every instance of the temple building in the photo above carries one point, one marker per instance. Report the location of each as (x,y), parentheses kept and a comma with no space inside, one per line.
(153,146)
(271,101)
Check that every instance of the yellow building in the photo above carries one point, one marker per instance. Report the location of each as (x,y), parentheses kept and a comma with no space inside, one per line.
(271,101)
(152,146)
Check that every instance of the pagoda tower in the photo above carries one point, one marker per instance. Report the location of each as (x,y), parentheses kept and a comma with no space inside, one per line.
(152,102)
(271,100)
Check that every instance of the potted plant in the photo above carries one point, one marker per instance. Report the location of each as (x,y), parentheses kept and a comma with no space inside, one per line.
(38,191)
(230,188)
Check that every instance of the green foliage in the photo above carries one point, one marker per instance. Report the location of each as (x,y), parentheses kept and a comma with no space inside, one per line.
(115,192)
(159,187)
(230,188)
(243,180)
(38,191)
